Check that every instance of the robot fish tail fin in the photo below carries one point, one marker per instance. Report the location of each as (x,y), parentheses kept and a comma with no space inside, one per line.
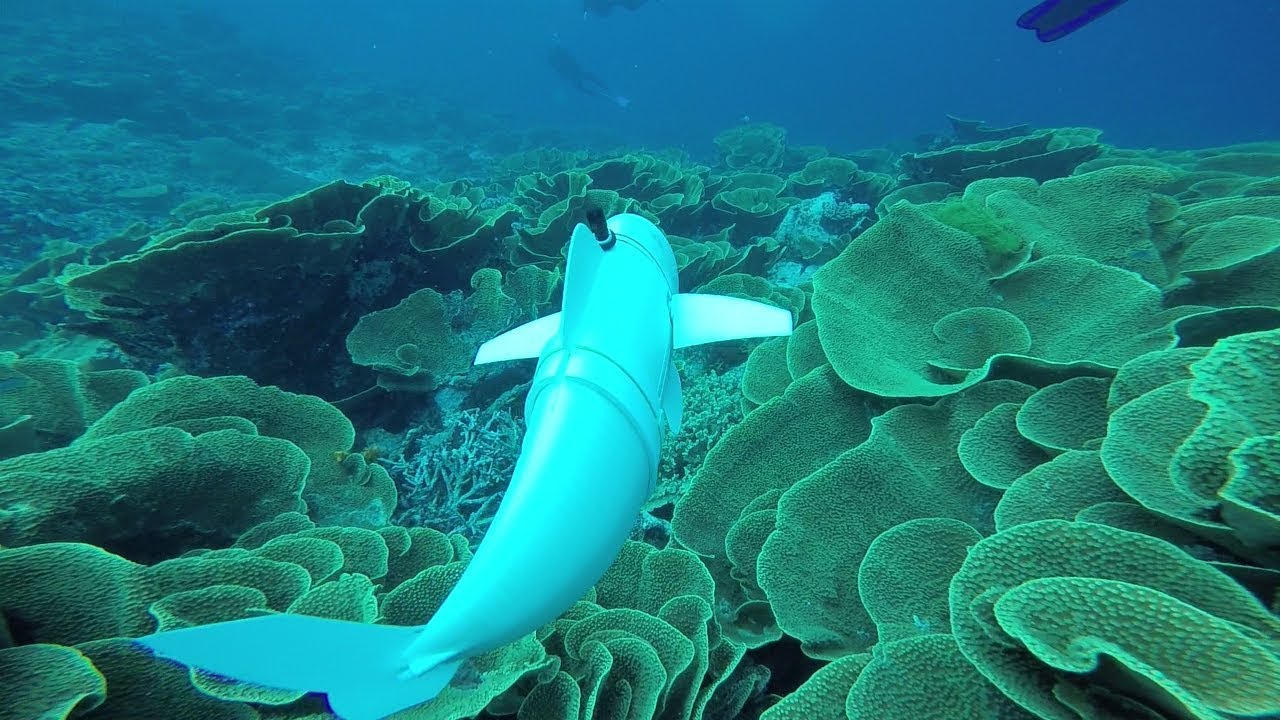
(358,665)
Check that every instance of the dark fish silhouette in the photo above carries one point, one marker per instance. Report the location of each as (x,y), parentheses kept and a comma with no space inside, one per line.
(1056,19)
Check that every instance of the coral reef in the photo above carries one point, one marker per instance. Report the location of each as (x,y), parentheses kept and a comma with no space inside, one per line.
(1021,452)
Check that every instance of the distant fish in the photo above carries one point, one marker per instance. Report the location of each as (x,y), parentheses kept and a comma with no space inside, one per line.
(1056,19)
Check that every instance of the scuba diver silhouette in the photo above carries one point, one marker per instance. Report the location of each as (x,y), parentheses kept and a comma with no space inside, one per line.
(1050,19)
(567,67)
(604,7)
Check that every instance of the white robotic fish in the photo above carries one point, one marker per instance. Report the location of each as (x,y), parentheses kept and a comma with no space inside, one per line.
(604,392)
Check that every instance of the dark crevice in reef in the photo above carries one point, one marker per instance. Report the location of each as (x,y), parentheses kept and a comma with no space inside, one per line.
(789,666)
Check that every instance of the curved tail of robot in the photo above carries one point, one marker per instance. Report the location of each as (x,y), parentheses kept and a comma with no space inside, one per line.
(358,665)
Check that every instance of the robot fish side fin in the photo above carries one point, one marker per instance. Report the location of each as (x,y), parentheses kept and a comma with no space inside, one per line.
(520,343)
(701,318)
(528,340)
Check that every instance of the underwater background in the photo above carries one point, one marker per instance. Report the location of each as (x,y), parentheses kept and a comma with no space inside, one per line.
(1020,457)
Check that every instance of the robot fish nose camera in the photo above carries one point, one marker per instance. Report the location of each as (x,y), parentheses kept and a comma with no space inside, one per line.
(598,227)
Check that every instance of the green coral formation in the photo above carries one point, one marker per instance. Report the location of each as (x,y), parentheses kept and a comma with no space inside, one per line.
(712,407)
(1019,459)
(999,237)
(49,401)
(1039,155)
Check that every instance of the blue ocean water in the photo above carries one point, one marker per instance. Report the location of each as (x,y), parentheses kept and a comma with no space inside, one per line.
(435,90)
(846,75)
(897,365)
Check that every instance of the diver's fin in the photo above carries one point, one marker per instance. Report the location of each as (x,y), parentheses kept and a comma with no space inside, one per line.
(1056,19)
(580,272)
(519,343)
(358,665)
(699,319)
(673,399)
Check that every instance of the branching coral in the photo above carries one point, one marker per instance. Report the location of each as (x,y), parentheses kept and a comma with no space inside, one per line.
(454,479)
(713,405)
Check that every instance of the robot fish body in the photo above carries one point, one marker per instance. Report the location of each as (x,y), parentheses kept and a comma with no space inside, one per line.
(604,392)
